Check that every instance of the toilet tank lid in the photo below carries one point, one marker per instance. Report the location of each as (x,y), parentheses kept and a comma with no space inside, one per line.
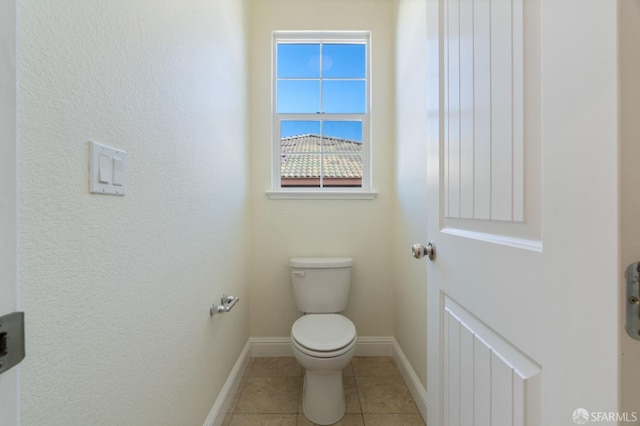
(320,262)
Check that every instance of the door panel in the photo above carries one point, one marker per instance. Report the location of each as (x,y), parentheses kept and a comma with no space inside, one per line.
(484,118)
(522,179)
(485,376)
(483,105)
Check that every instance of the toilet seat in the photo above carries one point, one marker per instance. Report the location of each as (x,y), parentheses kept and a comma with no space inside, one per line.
(323,355)
(323,335)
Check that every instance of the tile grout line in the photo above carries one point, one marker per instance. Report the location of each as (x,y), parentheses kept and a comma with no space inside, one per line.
(383,367)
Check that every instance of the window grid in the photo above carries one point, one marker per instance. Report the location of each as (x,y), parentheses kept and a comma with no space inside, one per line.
(321,79)
(321,116)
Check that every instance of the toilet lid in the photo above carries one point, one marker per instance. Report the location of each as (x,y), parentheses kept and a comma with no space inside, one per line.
(323,332)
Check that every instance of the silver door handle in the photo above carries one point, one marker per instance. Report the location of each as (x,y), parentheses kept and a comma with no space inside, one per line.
(419,251)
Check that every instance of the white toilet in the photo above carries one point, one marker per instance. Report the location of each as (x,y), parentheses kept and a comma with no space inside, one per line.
(323,341)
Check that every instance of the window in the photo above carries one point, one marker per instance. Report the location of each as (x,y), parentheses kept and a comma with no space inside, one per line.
(321,112)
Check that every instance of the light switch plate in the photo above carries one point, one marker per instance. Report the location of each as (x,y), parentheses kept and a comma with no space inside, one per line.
(101,174)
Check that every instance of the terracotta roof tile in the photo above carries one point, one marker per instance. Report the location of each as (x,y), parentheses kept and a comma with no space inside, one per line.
(306,144)
(301,157)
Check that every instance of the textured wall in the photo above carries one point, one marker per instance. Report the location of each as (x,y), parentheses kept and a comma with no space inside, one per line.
(410,224)
(8,200)
(117,289)
(357,228)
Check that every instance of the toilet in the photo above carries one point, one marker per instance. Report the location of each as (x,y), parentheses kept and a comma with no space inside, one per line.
(323,341)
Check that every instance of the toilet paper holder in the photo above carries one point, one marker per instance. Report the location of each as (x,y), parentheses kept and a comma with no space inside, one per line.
(226,304)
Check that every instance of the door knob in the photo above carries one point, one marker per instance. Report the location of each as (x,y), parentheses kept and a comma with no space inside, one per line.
(419,251)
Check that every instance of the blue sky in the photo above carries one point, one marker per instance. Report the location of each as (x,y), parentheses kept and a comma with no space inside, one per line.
(339,87)
(351,130)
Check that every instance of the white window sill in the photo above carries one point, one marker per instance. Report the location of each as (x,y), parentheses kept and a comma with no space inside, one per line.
(321,195)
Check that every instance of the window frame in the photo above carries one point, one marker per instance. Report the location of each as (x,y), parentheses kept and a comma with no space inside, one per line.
(326,37)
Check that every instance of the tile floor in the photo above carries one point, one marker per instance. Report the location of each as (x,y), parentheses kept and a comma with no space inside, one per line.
(270,394)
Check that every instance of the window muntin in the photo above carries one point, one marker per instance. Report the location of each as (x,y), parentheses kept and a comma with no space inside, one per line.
(321,118)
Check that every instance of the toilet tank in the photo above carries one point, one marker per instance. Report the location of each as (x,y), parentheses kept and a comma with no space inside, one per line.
(321,284)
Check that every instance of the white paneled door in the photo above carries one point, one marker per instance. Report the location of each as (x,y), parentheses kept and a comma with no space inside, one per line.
(8,297)
(522,187)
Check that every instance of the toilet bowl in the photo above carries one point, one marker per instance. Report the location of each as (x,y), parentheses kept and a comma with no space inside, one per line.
(323,341)
(323,344)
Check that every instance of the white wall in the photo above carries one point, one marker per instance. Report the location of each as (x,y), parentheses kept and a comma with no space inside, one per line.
(358,228)
(629,66)
(117,289)
(8,218)
(410,223)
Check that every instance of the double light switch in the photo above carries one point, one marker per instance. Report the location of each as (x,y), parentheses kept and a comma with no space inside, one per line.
(107,170)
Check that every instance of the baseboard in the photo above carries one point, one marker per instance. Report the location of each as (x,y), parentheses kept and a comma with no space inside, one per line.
(270,347)
(410,377)
(281,346)
(228,391)
(374,346)
(258,347)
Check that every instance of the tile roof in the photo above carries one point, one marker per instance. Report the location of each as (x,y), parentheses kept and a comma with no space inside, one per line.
(301,157)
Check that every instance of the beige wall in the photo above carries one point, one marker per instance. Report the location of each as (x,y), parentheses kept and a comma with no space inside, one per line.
(410,224)
(116,290)
(358,228)
(629,53)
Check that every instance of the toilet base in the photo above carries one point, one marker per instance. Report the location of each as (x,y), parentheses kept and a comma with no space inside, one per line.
(323,397)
